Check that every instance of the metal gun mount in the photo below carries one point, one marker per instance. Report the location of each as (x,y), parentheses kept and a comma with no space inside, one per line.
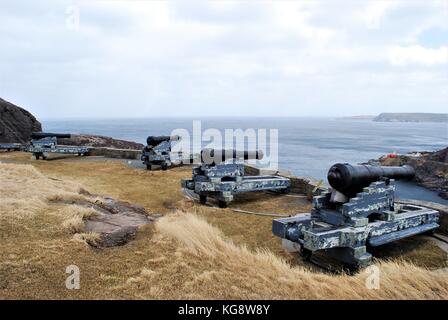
(12,146)
(158,153)
(221,174)
(43,143)
(359,212)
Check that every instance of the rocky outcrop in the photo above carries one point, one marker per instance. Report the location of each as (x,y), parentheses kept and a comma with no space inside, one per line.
(117,222)
(100,141)
(360,117)
(114,222)
(431,168)
(16,124)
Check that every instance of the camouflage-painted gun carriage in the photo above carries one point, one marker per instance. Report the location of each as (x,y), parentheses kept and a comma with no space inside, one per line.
(12,146)
(43,143)
(158,152)
(357,213)
(221,175)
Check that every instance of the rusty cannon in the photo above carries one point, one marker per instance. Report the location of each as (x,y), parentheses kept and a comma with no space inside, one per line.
(356,213)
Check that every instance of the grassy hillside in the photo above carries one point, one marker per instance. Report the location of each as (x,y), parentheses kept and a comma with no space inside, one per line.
(191,252)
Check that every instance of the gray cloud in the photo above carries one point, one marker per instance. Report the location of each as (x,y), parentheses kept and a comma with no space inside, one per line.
(147,58)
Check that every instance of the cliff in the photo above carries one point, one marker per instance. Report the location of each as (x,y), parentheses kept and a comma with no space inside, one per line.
(360,117)
(16,124)
(412,117)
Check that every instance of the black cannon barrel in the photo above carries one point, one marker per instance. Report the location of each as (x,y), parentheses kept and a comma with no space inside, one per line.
(210,156)
(40,135)
(155,140)
(351,179)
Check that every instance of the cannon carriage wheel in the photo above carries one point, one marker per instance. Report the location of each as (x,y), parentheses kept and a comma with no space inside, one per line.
(223,204)
(39,155)
(285,190)
(305,253)
(350,269)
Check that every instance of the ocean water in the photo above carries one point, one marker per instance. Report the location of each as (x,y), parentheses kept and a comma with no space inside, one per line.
(307,146)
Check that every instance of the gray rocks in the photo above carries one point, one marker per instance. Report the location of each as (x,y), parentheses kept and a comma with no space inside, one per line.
(16,124)
(100,141)
(117,222)
(431,168)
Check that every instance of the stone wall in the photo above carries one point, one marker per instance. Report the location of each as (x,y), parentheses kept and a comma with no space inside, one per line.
(304,185)
(116,153)
(301,185)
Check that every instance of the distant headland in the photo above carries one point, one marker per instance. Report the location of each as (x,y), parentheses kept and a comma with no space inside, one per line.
(361,117)
(402,117)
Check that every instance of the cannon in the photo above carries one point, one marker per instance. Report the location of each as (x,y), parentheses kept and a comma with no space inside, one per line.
(351,179)
(43,143)
(221,175)
(214,156)
(158,152)
(358,212)
(156,140)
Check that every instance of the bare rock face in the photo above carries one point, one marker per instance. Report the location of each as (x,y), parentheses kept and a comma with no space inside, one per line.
(116,222)
(431,168)
(16,124)
(100,141)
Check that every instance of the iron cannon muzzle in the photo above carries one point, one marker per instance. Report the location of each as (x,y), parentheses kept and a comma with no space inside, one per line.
(41,135)
(351,179)
(155,140)
(216,156)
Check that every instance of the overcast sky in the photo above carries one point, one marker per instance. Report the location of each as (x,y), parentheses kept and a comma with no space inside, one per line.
(222,58)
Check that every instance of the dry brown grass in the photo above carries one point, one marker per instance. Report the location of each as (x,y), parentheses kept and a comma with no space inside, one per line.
(74,216)
(27,195)
(206,253)
(261,275)
(89,238)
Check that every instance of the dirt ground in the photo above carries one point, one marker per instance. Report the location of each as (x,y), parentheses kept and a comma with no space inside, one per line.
(194,251)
